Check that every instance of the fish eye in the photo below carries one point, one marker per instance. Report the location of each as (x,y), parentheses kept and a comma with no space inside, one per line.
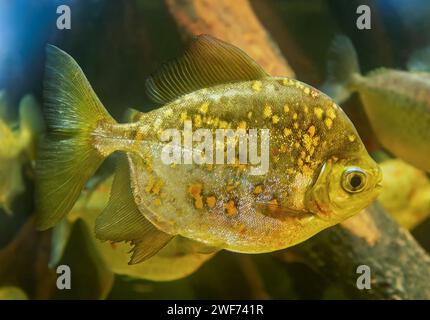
(354,180)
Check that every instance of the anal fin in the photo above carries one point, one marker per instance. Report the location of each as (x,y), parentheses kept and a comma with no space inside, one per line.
(147,246)
(121,220)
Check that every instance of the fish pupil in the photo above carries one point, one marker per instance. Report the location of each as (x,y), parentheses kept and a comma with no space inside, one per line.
(356,181)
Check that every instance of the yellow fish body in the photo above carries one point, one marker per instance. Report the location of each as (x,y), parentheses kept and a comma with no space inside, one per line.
(397,103)
(319,172)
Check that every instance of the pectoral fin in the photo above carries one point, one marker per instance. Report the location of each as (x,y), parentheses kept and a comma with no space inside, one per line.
(276,211)
(122,221)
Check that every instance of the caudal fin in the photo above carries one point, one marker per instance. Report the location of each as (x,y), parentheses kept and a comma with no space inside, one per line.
(342,66)
(66,157)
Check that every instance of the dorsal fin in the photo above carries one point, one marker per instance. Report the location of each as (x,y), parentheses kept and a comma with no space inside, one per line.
(207,62)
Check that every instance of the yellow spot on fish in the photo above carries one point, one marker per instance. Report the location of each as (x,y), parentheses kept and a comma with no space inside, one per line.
(242,125)
(157,202)
(316,141)
(211,201)
(249,114)
(267,113)
(306,170)
(223,124)
(195,189)
(283,148)
(275,119)
(229,188)
(256,86)
(296,125)
(204,107)
(311,131)
(307,142)
(306,108)
(258,190)
(286,108)
(328,122)
(230,207)
(331,114)
(199,203)
(351,138)
(157,187)
(300,162)
(287,132)
(150,184)
(215,122)
(297,145)
(295,116)
(306,90)
(197,120)
(286,82)
(183,116)
(318,112)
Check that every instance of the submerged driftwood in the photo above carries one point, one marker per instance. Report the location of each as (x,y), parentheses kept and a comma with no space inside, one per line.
(400,268)
(233,22)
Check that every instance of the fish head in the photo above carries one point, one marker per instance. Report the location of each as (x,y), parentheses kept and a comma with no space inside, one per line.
(343,187)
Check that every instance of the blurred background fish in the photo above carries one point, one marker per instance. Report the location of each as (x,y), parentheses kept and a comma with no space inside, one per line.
(396,102)
(18,140)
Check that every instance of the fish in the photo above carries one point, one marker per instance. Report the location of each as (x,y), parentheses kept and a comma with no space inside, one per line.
(396,102)
(17,147)
(319,170)
(406,193)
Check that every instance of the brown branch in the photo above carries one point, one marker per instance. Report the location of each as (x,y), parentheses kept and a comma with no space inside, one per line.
(233,22)
(400,268)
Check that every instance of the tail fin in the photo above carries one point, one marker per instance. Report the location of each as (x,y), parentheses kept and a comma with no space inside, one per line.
(67,158)
(342,66)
